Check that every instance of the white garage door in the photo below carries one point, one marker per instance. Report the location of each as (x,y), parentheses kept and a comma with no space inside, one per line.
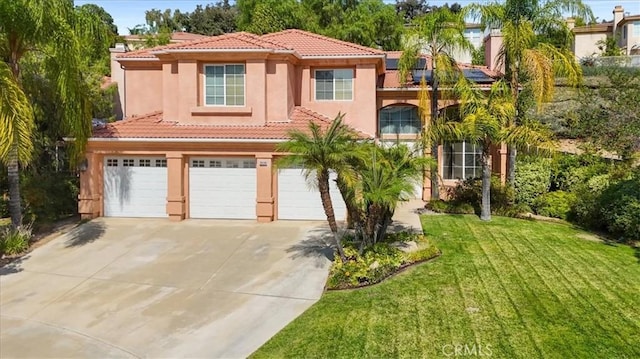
(222,188)
(135,187)
(297,199)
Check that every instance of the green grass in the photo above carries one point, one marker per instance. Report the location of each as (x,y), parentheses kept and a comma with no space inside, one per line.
(515,288)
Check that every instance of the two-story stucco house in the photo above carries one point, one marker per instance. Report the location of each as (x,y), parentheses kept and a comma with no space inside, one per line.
(203,118)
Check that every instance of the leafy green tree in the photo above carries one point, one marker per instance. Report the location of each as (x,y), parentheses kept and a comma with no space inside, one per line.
(609,47)
(609,114)
(488,121)
(212,19)
(440,34)
(270,16)
(320,151)
(530,60)
(411,9)
(53,32)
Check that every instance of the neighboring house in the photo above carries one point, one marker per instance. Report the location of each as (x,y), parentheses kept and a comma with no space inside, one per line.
(137,42)
(624,27)
(475,35)
(203,119)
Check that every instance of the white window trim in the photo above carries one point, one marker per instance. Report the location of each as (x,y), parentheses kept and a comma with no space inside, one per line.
(464,165)
(224,84)
(315,89)
(399,133)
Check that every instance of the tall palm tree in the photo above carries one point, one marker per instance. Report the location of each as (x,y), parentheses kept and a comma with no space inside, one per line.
(16,129)
(529,53)
(320,152)
(488,120)
(52,32)
(438,34)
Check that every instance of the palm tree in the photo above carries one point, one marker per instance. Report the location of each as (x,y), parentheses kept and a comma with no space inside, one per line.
(51,32)
(527,53)
(439,33)
(320,152)
(488,120)
(16,128)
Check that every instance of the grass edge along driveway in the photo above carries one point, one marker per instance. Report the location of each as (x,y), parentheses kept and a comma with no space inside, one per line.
(506,289)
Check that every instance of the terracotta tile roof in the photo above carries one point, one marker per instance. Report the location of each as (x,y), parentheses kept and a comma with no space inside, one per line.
(235,41)
(153,125)
(310,44)
(232,41)
(303,43)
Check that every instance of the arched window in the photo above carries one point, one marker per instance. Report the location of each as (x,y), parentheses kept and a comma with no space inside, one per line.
(397,119)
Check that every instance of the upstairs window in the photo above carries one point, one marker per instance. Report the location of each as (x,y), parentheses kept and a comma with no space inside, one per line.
(334,85)
(399,120)
(462,160)
(636,29)
(224,85)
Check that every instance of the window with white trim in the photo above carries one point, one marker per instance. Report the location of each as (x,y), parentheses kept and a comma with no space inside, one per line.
(462,160)
(145,163)
(161,163)
(334,85)
(128,162)
(112,162)
(400,120)
(224,85)
(636,29)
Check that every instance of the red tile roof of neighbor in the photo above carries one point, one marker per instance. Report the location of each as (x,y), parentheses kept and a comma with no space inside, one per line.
(153,125)
(303,43)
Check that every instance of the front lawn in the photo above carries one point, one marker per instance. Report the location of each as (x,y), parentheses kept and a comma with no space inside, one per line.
(506,289)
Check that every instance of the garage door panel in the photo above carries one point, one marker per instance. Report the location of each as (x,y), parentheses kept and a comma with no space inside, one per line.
(222,188)
(135,187)
(299,199)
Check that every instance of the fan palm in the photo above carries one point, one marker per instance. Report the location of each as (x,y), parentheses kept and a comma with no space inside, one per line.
(320,152)
(488,120)
(529,58)
(52,32)
(439,33)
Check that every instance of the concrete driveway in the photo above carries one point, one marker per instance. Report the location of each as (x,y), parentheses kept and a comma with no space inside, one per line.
(153,288)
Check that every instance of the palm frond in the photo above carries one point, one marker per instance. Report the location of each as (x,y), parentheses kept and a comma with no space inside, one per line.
(16,119)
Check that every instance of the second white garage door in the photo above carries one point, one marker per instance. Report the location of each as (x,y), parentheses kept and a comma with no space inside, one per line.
(222,188)
(297,199)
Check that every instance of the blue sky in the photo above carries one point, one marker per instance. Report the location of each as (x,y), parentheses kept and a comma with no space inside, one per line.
(129,13)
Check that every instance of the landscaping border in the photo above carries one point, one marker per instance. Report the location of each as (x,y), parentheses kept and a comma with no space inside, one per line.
(401,269)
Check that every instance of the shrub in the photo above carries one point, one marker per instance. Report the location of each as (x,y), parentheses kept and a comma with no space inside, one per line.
(620,208)
(555,204)
(440,206)
(51,197)
(533,178)
(14,242)
(569,171)
(470,192)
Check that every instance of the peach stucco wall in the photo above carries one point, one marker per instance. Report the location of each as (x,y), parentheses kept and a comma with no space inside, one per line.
(143,89)
(360,111)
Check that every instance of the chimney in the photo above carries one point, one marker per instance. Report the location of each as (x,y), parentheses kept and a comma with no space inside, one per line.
(492,45)
(571,23)
(618,15)
(117,76)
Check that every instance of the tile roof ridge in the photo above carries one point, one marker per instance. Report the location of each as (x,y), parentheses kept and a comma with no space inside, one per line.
(327,38)
(257,39)
(135,118)
(314,114)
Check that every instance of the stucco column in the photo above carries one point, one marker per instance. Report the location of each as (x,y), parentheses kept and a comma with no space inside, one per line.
(426,187)
(175,186)
(89,198)
(265,190)
(503,154)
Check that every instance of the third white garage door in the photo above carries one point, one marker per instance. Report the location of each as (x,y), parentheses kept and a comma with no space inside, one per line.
(297,199)
(222,188)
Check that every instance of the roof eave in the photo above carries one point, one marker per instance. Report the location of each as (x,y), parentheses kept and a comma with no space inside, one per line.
(183,139)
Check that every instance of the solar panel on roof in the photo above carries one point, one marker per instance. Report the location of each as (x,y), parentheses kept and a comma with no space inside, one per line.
(476,75)
(392,64)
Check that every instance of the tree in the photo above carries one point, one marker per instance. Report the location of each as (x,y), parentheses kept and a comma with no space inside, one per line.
(270,16)
(440,34)
(528,57)
(411,9)
(488,121)
(53,32)
(319,152)
(212,20)
(609,114)
(609,47)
